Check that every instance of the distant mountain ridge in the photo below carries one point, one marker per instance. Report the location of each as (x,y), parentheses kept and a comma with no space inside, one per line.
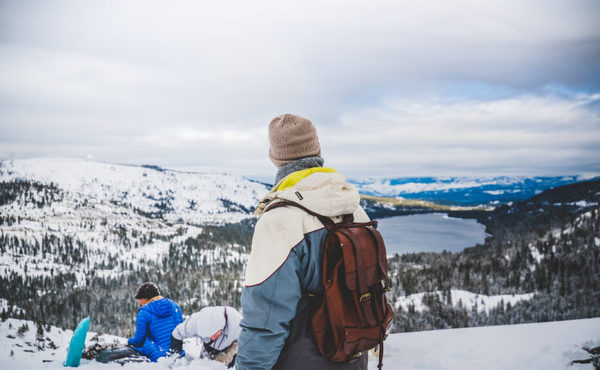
(463,191)
(175,196)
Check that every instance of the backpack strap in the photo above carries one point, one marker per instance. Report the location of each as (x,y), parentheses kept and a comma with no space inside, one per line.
(381,258)
(329,224)
(383,265)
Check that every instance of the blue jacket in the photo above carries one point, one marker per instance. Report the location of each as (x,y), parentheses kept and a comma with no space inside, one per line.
(284,265)
(154,324)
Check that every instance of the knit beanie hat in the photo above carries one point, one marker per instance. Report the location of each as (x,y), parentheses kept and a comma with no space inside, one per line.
(147,290)
(292,137)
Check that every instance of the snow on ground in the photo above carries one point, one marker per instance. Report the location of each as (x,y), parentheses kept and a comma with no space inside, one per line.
(26,349)
(551,345)
(466,299)
(548,346)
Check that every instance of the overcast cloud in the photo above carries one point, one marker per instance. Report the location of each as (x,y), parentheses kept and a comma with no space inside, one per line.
(395,88)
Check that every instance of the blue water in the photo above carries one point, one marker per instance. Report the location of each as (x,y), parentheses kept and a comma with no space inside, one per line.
(429,233)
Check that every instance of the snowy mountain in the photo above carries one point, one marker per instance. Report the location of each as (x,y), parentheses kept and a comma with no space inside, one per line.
(463,190)
(548,346)
(183,197)
(71,229)
(80,236)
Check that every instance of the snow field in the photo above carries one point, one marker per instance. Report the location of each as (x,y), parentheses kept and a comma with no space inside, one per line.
(548,346)
(544,346)
(28,350)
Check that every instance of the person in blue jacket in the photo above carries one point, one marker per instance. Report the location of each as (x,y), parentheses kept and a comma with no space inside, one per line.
(156,319)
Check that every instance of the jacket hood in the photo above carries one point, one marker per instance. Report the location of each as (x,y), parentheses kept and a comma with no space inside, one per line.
(162,307)
(322,190)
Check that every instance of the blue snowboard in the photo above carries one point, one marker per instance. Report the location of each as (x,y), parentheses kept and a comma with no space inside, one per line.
(77,343)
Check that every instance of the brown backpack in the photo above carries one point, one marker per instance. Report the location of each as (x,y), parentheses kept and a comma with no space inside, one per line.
(352,315)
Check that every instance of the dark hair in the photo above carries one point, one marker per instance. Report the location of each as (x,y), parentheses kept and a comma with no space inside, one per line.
(147,290)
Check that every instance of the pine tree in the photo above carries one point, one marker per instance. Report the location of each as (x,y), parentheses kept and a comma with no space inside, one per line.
(39,337)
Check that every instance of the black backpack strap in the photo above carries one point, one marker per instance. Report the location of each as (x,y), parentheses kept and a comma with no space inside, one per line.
(282,203)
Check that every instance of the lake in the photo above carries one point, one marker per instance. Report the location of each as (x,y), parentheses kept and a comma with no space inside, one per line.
(432,232)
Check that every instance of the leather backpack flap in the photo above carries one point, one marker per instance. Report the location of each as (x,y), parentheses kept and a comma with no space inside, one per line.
(372,253)
(371,257)
(327,315)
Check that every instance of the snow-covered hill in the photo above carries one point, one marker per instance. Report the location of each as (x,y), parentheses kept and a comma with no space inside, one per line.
(547,346)
(192,198)
(69,227)
(108,213)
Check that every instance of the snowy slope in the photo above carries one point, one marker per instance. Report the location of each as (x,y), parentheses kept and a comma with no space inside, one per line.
(463,298)
(194,198)
(70,226)
(551,345)
(30,350)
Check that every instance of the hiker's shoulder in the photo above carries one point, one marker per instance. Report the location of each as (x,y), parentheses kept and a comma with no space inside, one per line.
(360,215)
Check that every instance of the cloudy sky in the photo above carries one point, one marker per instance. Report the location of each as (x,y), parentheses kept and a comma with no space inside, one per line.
(395,88)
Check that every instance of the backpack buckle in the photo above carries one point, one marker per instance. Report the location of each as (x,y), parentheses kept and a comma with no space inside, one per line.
(356,355)
(365,297)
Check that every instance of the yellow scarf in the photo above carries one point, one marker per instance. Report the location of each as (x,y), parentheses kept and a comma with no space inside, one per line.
(295,177)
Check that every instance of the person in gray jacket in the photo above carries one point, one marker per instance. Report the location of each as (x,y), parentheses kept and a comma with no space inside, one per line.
(284,267)
(218,328)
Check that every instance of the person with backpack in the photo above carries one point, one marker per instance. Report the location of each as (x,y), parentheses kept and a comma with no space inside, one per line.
(284,279)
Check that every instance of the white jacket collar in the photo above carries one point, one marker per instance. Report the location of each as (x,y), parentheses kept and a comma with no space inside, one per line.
(325,193)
